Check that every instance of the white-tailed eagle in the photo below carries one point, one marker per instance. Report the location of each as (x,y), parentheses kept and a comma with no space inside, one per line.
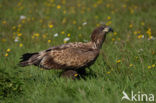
(72,58)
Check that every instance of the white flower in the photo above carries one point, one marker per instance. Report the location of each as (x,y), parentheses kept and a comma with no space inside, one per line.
(56,34)
(151,38)
(22,17)
(16,39)
(66,39)
(85,23)
(140,50)
(115,42)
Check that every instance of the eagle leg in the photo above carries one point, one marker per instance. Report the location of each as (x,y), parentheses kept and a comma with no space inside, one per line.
(82,72)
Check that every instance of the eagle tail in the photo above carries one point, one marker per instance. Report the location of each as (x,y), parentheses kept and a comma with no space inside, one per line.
(29,59)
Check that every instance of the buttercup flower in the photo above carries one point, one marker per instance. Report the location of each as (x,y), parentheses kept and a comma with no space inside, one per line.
(8,50)
(20,45)
(118,61)
(58,6)
(49,41)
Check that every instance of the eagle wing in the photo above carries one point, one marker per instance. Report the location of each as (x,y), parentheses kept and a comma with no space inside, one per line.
(67,57)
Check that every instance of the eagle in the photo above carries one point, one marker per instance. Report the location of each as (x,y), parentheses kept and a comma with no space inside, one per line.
(71,58)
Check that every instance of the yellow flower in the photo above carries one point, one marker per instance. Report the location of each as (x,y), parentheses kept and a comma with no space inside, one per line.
(136,57)
(44,35)
(79,27)
(96,17)
(149,67)
(97,25)
(108,17)
(14,27)
(140,36)
(3,40)
(142,23)
(37,34)
(108,72)
(33,37)
(63,2)
(6,54)
(28,19)
(68,34)
(124,5)
(4,22)
(49,41)
(88,9)
(80,35)
(131,25)
(130,65)
(153,52)
(41,20)
(112,12)
(131,11)
(94,5)
(19,25)
(139,32)
(113,39)
(115,33)
(99,1)
(8,50)
(23,21)
(65,42)
(64,12)
(107,5)
(149,31)
(18,29)
(135,32)
(74,22)
(32,18)
(62,32)
(118,61)
(19,34)
(58,6)
(20,45)
(51,26)
(153,65)
(108,23)
(119,39)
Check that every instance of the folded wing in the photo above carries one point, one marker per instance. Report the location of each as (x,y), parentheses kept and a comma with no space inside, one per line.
(68,58)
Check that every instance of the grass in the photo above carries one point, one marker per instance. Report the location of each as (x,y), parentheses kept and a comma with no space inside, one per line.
(126,62)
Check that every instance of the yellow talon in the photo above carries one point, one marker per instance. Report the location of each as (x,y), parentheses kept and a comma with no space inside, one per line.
(75,75)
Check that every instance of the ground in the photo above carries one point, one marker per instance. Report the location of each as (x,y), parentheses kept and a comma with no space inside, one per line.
(127,60)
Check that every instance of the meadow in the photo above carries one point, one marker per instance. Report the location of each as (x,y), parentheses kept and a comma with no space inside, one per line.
(127,60)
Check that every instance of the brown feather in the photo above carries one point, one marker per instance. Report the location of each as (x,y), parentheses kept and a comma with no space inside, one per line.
(67,58)
(73,56)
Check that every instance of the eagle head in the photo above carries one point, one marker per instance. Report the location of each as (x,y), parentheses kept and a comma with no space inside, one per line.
(99,34)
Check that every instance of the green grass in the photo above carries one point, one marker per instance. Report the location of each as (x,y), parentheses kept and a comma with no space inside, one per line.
(130,19)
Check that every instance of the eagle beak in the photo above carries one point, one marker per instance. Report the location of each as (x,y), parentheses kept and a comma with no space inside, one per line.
(111,30)
(107,29)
